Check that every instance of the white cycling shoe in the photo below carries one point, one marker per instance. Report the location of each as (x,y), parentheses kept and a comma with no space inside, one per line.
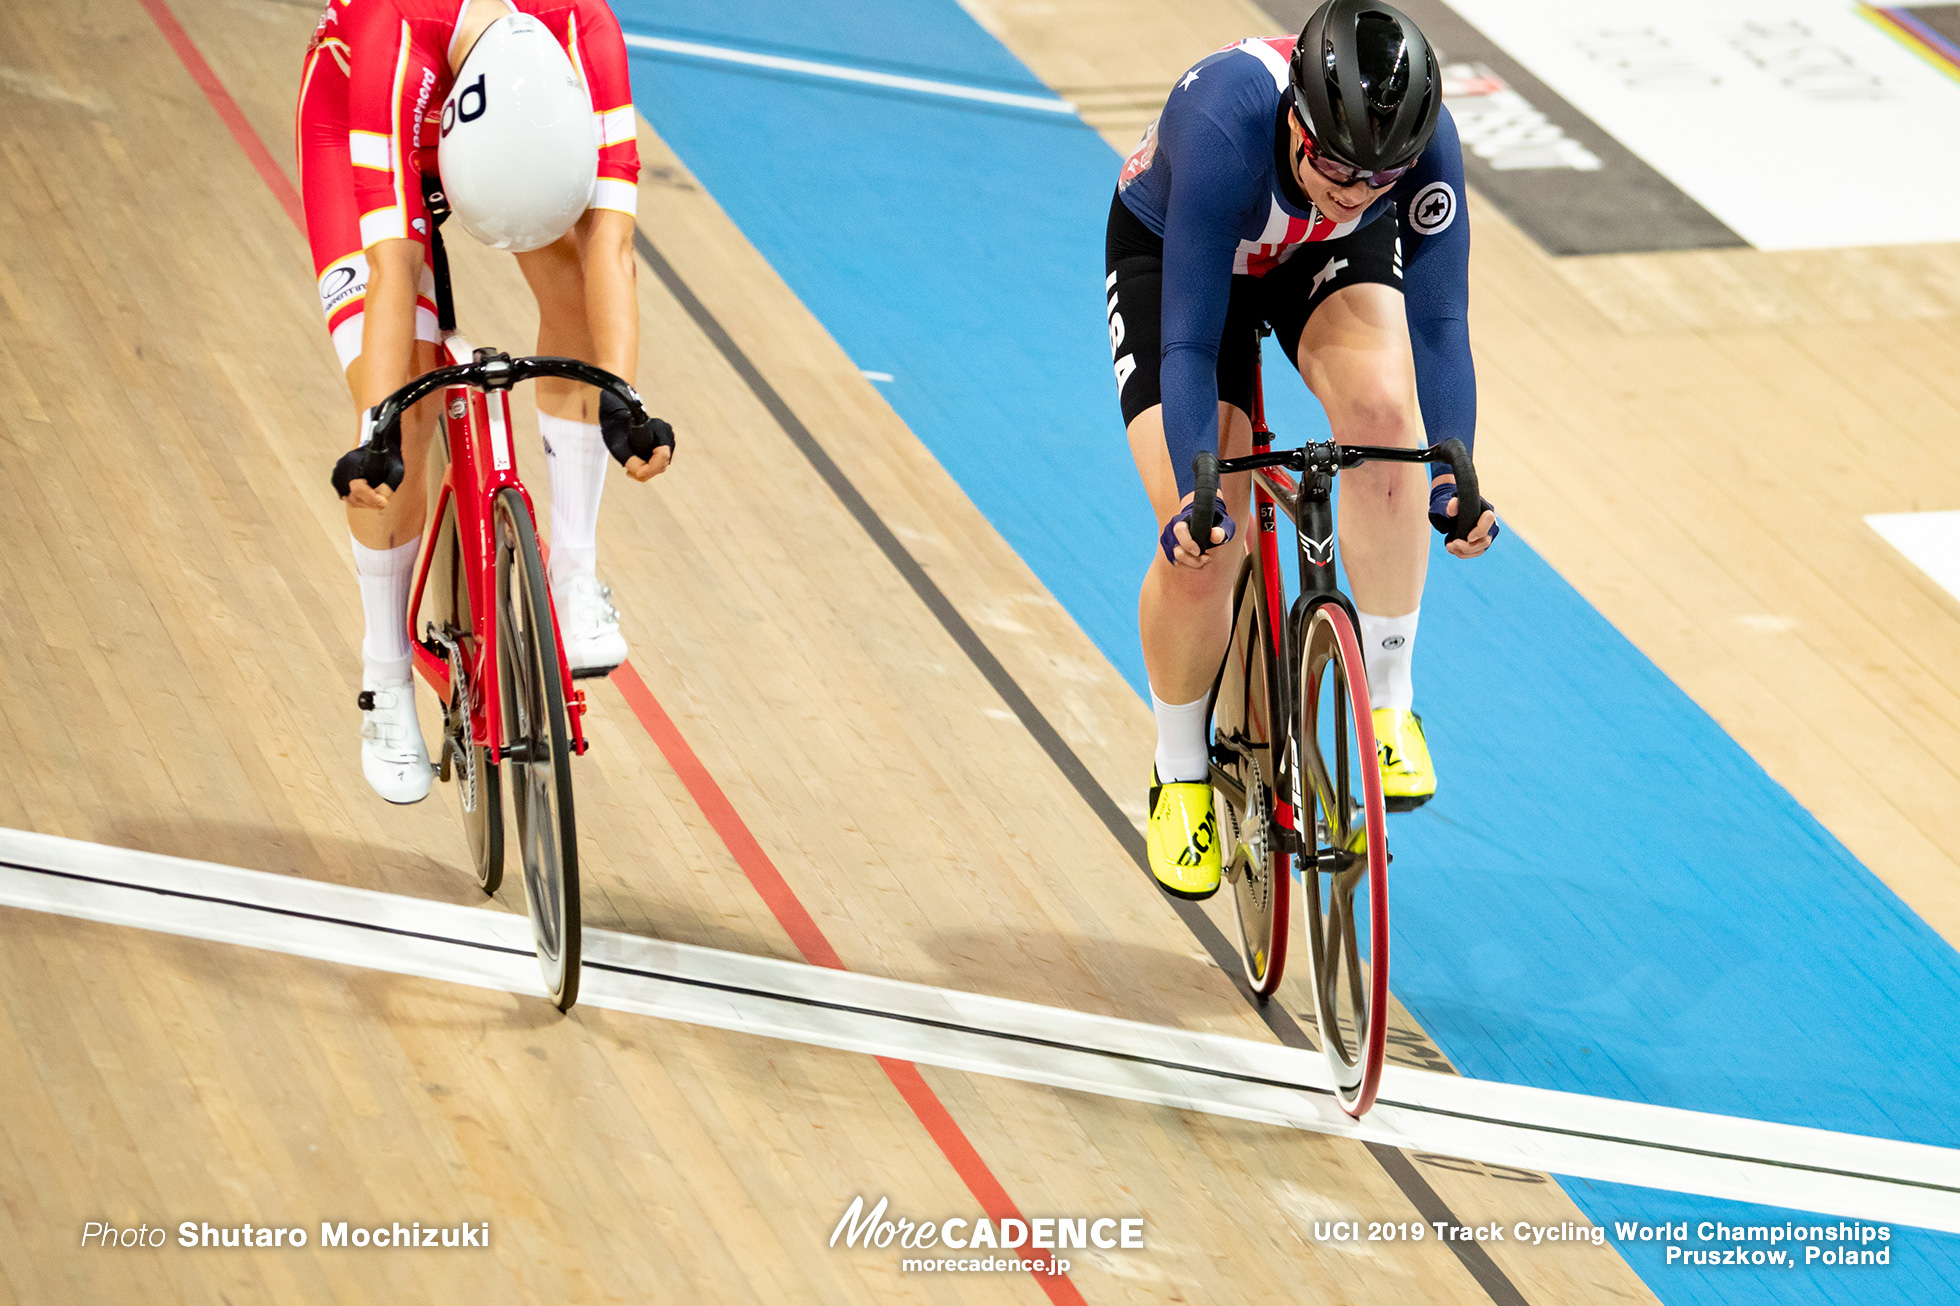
(393,756)
(589,625)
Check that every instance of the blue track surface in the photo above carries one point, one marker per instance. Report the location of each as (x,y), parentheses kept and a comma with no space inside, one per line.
(1609,896)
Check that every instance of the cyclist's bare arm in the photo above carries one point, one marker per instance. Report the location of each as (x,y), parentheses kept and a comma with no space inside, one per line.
(613,309)
(387,340)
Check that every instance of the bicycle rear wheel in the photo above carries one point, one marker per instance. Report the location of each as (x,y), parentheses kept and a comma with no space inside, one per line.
(1350,843)
(472,766)
(536,747)
(1244,716)
(478,786)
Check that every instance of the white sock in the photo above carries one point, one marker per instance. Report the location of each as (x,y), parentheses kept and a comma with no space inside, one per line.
(576,454)
(1183,753)
(385,576)
(1388,646)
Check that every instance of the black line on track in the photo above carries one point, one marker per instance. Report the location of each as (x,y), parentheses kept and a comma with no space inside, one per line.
(1390,1157)
(1417,1189)
(1434,1211)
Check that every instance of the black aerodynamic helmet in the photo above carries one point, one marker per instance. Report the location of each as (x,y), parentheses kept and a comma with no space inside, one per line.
(1366,83)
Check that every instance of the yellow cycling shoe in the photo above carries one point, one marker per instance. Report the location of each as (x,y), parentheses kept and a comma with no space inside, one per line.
(1182,839)
(1408,776)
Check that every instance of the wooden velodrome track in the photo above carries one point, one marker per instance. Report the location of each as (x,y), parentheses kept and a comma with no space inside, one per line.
(178,648)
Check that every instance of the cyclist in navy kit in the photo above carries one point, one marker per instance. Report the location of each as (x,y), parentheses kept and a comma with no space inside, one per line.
(1315,185)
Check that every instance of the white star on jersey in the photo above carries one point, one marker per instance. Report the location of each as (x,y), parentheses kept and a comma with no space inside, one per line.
(1326,274)
(1189,77)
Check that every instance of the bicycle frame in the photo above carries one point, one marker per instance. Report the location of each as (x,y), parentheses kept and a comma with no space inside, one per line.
(482,463)
(1270,488)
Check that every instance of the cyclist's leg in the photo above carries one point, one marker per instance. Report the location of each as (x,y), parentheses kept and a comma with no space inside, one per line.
(587,309)
(1352,347)
(1184,615)
(1354,353)
(568,413)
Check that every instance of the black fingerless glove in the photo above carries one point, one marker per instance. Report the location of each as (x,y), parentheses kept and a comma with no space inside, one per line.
(625,439)
(1221,520)
(376,467)
(1440,494)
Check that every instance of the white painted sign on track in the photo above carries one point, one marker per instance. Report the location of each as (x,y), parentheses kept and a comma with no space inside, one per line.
(1798,123)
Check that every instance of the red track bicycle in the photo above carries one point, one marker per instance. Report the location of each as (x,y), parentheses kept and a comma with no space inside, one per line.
(488,643)
(1294,775)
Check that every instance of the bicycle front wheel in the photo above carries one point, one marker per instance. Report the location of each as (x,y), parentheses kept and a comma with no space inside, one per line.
(540,758)
(1341,806)
(1244,715)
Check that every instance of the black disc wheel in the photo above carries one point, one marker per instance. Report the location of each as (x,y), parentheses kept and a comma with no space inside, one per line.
(1341,805)
(1243,717)
(536,748)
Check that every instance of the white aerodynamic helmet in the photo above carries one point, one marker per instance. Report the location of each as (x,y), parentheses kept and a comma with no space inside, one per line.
(518,155)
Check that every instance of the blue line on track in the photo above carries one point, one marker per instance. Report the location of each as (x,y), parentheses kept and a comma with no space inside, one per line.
(1608,896)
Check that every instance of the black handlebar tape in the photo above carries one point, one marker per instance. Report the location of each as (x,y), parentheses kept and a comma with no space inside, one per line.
(1204,473)
(387,431)
(1469,503)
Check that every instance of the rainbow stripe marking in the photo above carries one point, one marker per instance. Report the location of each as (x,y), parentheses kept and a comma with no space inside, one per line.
(1912,32)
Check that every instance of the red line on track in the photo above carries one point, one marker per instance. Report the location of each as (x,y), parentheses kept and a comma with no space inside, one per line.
(701,785)
(214,91)
(721,814)
(810,941)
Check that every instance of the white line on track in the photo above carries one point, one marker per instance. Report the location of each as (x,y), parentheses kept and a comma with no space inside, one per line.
(1835,1174)
(845,73)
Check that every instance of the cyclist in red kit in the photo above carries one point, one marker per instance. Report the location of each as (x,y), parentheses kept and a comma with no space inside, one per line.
(371,105)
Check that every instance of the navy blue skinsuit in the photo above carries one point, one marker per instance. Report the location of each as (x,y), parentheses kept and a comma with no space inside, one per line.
(1213,185)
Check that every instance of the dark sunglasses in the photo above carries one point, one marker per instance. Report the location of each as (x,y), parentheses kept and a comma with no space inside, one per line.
(1344,174)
